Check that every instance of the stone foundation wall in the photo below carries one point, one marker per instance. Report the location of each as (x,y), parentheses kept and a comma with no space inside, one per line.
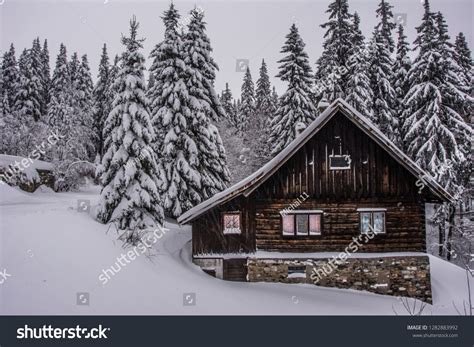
(399,276)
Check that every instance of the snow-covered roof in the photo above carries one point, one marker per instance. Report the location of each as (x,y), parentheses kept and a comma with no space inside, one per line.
(252,182)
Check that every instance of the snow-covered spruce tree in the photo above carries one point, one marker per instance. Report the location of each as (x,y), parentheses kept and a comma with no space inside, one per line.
(386,25)
(129,173)
(84,104)
(171,119)
(359,93)
(73,146)
(331,73)
(205,106)
(28,97)
(46,77)
(435,131)
(383,94)
(10,76)
(247,103)
(27,107)
(400,81)
(227,103)
(8,128)
(463,58)
(74,67)
(296,108)
(110,94)
(263,113)
(101,101)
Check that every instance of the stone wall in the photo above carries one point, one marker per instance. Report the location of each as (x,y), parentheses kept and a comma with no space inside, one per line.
(407,276)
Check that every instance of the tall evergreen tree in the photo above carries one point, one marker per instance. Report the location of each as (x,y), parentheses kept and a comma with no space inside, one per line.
(129,172)
(102,104)
(331,74)
(46,76)
(463,58)
(386,24)
(384,97)
(205,107)
(400,81)
(296,108)
(359,92)
(247,106)
(227,103)
(171,113)
(435,132)
(260,123)
(10,76)
(74,67)
(29,92)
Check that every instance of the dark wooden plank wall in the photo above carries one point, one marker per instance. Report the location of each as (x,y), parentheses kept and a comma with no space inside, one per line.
(373,173)
(207,230)
(405,225)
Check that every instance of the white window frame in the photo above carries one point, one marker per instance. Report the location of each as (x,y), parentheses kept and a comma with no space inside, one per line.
(372,212)
(345,156)
(231,231)
(294,214)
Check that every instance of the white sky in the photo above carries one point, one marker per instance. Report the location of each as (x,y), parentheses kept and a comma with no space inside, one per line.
(238,29)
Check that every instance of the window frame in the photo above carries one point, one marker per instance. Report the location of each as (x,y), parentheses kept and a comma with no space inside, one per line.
(223,214)
(372,212)
(295,234)
(345,156)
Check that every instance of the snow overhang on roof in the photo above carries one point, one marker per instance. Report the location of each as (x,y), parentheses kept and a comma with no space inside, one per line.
(252,182)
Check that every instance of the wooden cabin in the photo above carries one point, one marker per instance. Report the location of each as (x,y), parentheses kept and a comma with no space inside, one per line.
(338,181)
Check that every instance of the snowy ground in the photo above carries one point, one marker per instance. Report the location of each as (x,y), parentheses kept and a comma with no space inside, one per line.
(52,251)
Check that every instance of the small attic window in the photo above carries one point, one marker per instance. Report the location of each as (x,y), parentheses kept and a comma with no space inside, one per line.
(339,162)
(231,223)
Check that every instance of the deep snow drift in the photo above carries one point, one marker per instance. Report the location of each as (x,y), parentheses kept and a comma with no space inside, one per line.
(53,250)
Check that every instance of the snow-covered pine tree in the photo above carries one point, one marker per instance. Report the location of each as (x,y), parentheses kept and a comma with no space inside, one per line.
(129,172)
(46,77)
(101,101)
(74,67)
(331,73)
(386,25)
(28,97)
(274,102)
(73,146)
(263,108)
(400,81)
(296,108)
(436,133)
(8,128)
(247,102)
(205,106)
(227,103)
(84,104)
(463,58)
(383,94)
(10,76)
(359,93)
(171,116)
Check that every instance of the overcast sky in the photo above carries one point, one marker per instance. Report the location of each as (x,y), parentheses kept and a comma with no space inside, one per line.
(238,29)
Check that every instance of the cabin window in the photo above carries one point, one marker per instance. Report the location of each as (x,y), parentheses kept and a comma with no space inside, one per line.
(302,223)
(372,219)
(232,223)
(340,162)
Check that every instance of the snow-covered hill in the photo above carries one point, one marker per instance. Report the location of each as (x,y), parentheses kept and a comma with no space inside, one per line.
(53,250)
